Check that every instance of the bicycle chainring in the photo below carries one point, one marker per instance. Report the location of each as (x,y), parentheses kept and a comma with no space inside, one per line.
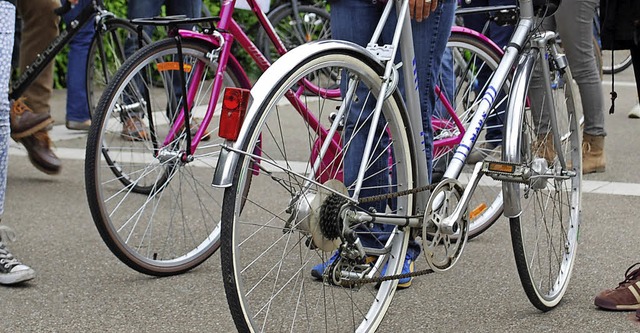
(442,244)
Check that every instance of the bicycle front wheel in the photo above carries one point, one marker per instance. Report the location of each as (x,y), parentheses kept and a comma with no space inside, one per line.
(107,54)
(545,233)
(152,204)
(272,255)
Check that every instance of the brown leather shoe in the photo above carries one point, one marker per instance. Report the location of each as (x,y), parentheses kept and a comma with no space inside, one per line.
(39,148)
(25,122)
(133,129)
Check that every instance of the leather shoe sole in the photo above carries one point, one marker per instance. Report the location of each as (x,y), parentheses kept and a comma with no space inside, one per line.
(41,156)
(78,125)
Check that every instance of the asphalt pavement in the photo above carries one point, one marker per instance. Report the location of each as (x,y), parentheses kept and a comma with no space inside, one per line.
(81,287)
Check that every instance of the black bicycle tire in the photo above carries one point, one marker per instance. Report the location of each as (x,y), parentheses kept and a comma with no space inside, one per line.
(279,14)
(94,152)
(523,257)
(110,24)
(228,248)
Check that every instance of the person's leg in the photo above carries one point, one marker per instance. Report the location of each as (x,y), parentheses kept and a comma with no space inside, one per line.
(635,59)
(77,103)
(501,36)
(141,9)
(574,20)
(191,9)
(11,271)
(430,40)
(40,27)
(133,128)
(7,26)
(575,25)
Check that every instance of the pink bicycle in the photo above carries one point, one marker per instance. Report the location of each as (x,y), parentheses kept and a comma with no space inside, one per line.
(150,197)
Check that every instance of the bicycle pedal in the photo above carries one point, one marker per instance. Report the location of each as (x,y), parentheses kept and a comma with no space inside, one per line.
(506,171)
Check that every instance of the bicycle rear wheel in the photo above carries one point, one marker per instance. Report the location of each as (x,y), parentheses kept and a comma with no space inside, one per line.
(107,54)
(314,24)
(474,64)
(545,233)
(269,246)
(152,205)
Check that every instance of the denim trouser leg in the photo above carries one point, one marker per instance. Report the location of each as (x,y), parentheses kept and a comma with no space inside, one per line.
(446,83)
(77,103)
(499,35)
(7,29)
(430,39)
(151,8)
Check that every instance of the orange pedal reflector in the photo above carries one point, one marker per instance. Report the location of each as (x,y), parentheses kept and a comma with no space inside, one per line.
(173,66)
(502,167)
(234,108)
(477,211)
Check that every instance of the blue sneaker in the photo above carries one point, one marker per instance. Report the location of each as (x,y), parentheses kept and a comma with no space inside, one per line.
(318,269)
(408,267)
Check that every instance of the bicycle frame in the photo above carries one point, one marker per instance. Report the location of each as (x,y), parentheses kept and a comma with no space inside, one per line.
(227,30)
(43,59)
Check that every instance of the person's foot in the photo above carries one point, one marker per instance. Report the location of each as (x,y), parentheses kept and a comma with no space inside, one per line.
(12,271)
(407,267)
(318,269)
(626,296)
(134,130)
(40,154)
(634,112)
(24,122)
(78,125)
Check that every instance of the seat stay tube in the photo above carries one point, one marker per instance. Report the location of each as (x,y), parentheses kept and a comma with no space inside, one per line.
(412,101)
(402,41)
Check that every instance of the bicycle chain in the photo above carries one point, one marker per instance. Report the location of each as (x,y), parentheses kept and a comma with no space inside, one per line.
(351,283)
(397,194)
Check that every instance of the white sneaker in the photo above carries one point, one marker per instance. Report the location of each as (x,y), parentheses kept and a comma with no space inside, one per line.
(635,112)
(12,271)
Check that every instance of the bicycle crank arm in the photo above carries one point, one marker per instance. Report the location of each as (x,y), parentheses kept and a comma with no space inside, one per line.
(447,224)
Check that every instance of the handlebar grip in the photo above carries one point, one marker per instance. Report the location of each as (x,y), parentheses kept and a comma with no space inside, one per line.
(64,9)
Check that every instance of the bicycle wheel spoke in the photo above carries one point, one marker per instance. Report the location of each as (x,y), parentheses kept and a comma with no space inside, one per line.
(150,201)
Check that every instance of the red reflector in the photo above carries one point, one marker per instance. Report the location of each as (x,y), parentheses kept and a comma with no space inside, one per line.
(234,108)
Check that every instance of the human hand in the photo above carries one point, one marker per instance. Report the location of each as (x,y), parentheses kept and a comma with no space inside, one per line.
(420,9)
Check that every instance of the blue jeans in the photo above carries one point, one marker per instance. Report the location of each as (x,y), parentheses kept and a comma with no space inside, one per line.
(430,40)
(152,8)
(77,102)
(501,36)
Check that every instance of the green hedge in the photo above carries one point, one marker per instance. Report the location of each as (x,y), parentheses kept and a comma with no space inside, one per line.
(119,8)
